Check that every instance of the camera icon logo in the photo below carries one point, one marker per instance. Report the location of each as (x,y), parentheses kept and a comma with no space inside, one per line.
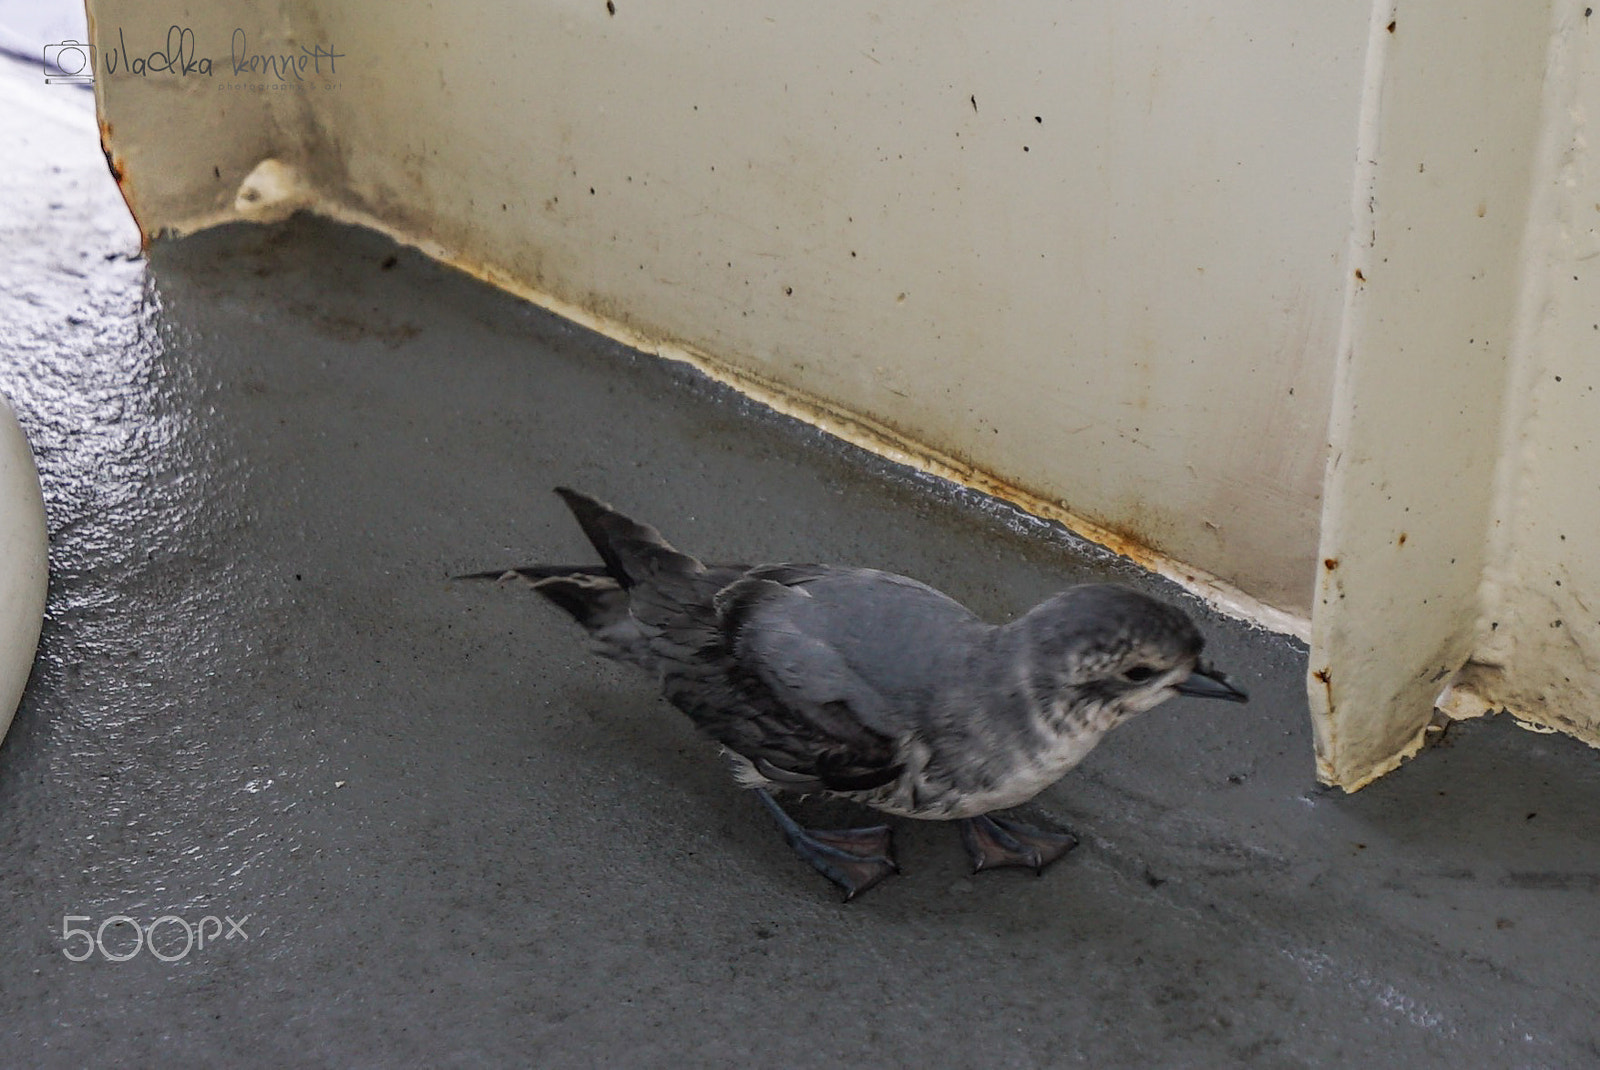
(69,62)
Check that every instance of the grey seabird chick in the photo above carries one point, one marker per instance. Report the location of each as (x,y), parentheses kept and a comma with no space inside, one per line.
(868,686)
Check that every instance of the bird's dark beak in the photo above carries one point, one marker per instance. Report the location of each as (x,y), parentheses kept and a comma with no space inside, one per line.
(1206,682)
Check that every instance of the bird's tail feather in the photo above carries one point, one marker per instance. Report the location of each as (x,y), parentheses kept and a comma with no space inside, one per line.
(600,597)
(534,573)
(596,602)
(588,593)
(632,551)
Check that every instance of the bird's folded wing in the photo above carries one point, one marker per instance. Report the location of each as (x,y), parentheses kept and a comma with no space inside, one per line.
(822,719)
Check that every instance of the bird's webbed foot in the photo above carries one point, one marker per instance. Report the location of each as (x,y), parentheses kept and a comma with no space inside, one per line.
(996,841)
(854,859)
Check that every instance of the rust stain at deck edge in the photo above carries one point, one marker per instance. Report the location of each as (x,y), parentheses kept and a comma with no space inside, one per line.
(119,174)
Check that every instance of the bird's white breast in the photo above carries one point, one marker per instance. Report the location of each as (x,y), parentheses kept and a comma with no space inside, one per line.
(1030,776)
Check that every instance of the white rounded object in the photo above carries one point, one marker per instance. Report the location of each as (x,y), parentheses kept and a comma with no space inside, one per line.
(24,563)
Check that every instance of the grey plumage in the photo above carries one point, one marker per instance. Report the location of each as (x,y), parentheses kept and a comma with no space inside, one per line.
(873,687)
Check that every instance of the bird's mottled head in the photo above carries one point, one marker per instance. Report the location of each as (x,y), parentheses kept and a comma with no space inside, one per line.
(1120,650)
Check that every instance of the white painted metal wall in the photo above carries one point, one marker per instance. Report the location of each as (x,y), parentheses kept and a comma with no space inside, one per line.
(1447,151)
(1536,649)
(1100,258)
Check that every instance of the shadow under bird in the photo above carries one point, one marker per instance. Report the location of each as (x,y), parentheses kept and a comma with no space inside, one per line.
(864,685)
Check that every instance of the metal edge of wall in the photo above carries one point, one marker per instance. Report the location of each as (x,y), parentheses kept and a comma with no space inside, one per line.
(1326,655)
(1419,419)
(264,125)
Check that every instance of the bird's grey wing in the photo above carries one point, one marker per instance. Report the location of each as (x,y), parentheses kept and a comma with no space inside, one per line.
(814,718)
(905,641)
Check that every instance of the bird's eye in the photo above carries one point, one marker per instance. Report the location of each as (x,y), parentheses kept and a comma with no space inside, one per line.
(1139,674)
